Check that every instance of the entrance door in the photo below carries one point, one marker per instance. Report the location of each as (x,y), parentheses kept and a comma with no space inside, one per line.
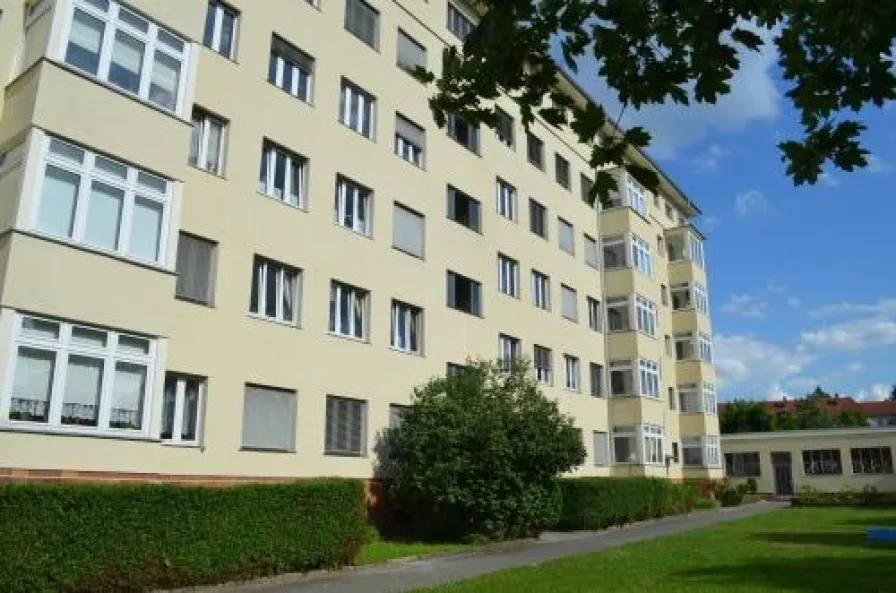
(782,464)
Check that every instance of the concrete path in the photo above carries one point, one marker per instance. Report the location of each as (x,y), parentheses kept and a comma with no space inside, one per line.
(404,575)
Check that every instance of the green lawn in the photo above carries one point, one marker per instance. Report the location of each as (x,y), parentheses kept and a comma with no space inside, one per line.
(381,551)
(797,550)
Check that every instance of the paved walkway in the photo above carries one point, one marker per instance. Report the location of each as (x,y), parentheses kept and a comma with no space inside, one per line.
(404,575)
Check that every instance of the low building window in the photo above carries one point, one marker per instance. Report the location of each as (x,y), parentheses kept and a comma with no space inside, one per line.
(742,465)
(872,460)
(822,462)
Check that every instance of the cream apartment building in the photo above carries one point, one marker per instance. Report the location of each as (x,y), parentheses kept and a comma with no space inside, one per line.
(233,240)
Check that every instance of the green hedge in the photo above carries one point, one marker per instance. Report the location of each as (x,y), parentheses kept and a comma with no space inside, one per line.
(597,503)
(839,499)
(137,538)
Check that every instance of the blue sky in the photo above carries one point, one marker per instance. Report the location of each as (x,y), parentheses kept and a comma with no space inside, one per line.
(802,280)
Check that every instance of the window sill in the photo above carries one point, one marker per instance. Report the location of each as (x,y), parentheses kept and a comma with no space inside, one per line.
(245,449)
(353,231)
(349,338)
(231,59)
(570,319)
(194,302)
(406,352)
(11,426)
(371,138)
(348,454)
(301,207)
(291,325)
(309,102)
(182,445)
(573,391)
(411,163)
(87,248)
(408,253)
(220,176)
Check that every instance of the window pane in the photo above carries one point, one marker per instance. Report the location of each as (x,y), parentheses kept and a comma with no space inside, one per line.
(190,411)
(104,216)
(84,43)
(270,296)
(127,62)
(257,274)
(128,390)
(228,25)
(146,229)
(82,336)
(32,385)
(169,402)
(289,296)
(165,81)
(57,203)
(83,384)
(39,328)
(215,134)
(132,345)
(269,419)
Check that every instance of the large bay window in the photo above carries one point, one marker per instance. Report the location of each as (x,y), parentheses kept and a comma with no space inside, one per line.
(636,198)
(626,444)
(134,54)
(653,444)
(622,380)
(72,376)
(686,244)
(95,201)
(702,451)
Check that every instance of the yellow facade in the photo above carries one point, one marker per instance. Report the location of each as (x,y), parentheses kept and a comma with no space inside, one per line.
(51,96)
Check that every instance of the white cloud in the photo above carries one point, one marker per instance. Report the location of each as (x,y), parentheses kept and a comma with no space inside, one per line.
(748,367)
(885,306)
(804,384)
(794,302)
(878,165)
(751,203)
(828,180)
(857,334)
(856,367)
(708,160)
(709,222)
(745,305)
(876,393)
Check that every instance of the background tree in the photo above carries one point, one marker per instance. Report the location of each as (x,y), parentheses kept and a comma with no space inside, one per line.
(893,393)
(477,454)
(812,412)
(835,58)
(746,416)
(852,418)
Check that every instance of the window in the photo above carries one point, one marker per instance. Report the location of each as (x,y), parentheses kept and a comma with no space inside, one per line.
(463,133)
(535,150)
(684,347)
(463,209)
(653,445)
(822,462)
(504,130)
(660,246)
(645,312)
(643,261)
(872,460)
(509,350)
(561,171)
(701,300)
(705,348)
(458,23)
(207,142)
(452,369)
(601,444)
(506,199)
(713,455)
(618,314)
(621,378)
(346,423)
(396,414)
(692,451)
(675,457)
(681,296)
(269,419)
(591,254)
(586,186)
(407,327)
(649,378)
(538,219)
(182,409)
(569,303)
(625,444)
(696,251)
(92,200)
(690,400)
(573,380)
(742,465)
(275,290)
(195,269)
(362,21)
(357,109)
(221,29)
(709,398)
(349,310)
(596,374)
(636,197)
(290,69)
(129,52)
(669,214)
(410,140)
(567,235)
(407,230)
(352,209)
(508,276)
(541,364)
(541,290)
(595,320)
(283,174)
(464,294)
(615,252)
(410,55)
(71,376)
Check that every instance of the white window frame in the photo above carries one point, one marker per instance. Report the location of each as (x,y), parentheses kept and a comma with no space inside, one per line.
(261,266)
(406,148)
(566,291)
(654,444)
(505,199)
(543,374)
(710,402)
(407,321)
(410,41)
(358,217)
(506,118)
(113,23)
(616,241)
(204,121)
(595,314)
(541,290)
(508,276)
(562,172)
(624,303)
(690,399)
(132,187)
(701,298)
(509,349)
(705,348)
(293,196)
(645,313)
(713,451)
(592,253)
(458,22)
(358,300)
(573,372)
(177,422)
(622,366)
(648,378)
(282,62)
(62,347)
(696,251)
(636,197)
(691,444)
(357,109)
(642,257)
(629,433)
(220,8)
(362,411)
(602,453)
(566,229)
(686,339)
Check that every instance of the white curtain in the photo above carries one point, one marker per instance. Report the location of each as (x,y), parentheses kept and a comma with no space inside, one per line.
(104,216)
(146,229)
(83,384)
(57,202)
(165,81)
(128,392)
(33,379)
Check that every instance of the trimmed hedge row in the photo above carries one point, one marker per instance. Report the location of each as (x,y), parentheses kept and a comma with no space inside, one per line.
(597,503)
(137,538)
(842,499)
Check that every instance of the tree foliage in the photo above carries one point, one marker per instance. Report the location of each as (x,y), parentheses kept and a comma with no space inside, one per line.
(478,454)
(835,57)
(814,411)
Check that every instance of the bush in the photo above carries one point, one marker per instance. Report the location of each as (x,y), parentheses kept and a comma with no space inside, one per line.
(752,486)
(477,455)
(868,497)
(597,503)
(730,497)
(705,503)
(138,538)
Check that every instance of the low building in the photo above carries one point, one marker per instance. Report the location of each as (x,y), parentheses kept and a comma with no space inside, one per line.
(827,460)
